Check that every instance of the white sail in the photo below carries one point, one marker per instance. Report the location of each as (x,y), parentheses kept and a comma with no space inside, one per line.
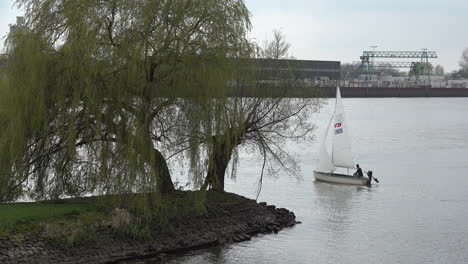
(341,149)
(325,163)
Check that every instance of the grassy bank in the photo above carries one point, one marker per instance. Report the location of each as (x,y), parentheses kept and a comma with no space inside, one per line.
(75,220)
(64,221)
(11,214)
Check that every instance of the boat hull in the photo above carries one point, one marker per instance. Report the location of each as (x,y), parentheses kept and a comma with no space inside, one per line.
(340,178)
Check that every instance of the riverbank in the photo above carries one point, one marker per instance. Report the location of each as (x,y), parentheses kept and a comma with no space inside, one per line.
(355,92)
(228,218)
(375,92)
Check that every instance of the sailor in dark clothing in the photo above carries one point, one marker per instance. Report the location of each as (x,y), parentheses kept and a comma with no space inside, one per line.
(358,171)
(369,175)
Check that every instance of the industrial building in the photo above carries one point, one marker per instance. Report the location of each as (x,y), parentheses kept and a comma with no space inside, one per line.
(310,70)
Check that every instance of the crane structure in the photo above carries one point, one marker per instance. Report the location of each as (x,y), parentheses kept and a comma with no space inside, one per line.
(388,64)
(421,67)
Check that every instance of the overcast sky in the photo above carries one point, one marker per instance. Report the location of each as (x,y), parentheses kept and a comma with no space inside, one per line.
(342,29)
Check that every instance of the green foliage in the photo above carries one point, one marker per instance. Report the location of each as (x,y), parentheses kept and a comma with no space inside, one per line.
(92,85)
(11,214)
(100,94)
(61,221)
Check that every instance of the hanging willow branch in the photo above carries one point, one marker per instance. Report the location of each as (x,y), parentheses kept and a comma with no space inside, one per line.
(93,91)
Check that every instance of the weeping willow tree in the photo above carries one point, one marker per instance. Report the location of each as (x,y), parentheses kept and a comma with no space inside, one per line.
(260,123)
(93,89)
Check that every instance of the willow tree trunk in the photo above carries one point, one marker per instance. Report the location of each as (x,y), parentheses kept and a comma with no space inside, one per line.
(165,183)
(218,164)
(159,164)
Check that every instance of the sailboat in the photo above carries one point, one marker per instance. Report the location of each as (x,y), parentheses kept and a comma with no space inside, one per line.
(341,156)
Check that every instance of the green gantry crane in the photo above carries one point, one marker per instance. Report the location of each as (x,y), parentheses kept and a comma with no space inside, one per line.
(421,67)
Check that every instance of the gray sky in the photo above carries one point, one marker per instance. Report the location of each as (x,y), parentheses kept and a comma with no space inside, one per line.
(7,16)
(342,29)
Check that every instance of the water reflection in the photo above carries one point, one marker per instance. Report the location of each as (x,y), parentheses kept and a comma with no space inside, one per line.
(335,203)
(214,255)
(208,255)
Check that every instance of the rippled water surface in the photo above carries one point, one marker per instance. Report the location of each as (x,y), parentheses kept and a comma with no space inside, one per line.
(417,147)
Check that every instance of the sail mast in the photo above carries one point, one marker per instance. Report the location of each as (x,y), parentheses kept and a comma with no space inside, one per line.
(334,111)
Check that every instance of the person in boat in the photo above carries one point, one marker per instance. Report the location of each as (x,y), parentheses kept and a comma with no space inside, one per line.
(369,175)
(358,171)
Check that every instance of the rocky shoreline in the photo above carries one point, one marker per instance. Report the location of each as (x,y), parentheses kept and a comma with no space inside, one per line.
(233,219)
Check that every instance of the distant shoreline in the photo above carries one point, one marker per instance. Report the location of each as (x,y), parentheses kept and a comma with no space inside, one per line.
(363,92)
(353,92)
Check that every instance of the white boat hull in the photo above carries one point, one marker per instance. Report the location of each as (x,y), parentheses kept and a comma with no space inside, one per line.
(340,178)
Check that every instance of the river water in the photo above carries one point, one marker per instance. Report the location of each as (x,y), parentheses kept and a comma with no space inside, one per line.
(418,213)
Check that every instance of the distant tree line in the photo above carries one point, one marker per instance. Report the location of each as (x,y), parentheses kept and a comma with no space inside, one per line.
(463,72)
